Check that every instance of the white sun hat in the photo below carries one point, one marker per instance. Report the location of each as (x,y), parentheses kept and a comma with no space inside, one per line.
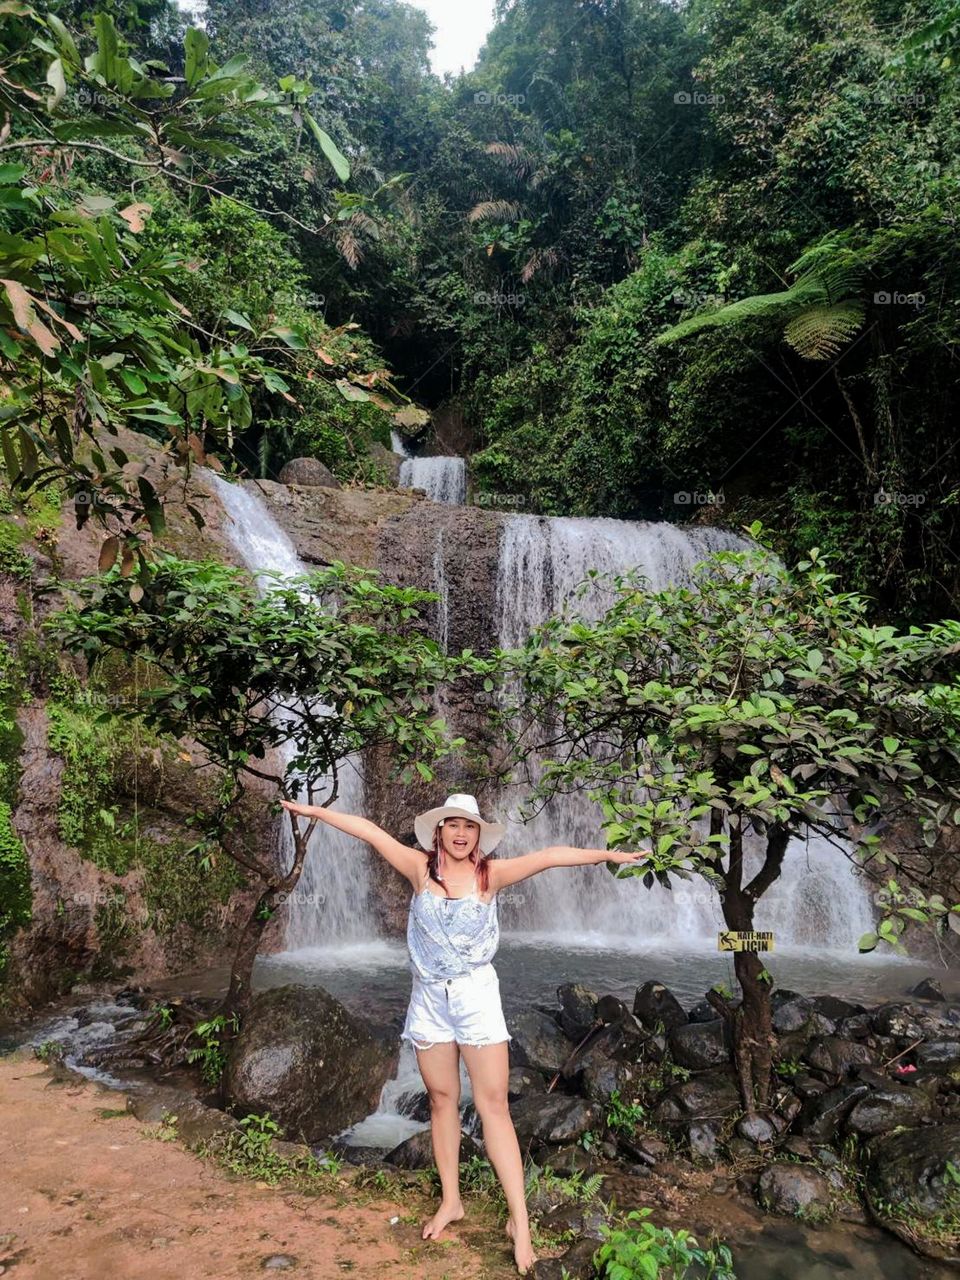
(458,806)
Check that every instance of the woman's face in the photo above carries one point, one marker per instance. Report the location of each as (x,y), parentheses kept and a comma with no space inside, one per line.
(459,837)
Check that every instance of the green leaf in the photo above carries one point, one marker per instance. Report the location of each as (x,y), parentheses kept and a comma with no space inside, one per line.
(329,148)
(868,942)
(890,745)
(57,82)
(195,43)
(239,320)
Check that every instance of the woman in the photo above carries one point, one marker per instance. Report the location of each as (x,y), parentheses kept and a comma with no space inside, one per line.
(452,935)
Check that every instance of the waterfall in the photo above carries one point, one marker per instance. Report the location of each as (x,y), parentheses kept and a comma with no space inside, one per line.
(818,899)
(443,478)
(333,901)
(398,445)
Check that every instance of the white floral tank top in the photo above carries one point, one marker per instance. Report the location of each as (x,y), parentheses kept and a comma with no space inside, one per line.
(448,937)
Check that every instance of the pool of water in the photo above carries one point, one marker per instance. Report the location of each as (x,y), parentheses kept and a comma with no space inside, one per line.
(373,978)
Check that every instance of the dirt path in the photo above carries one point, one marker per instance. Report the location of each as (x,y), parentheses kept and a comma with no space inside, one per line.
(85,1196)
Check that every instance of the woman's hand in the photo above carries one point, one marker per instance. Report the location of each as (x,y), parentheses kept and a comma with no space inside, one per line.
(622,858)
(302,809)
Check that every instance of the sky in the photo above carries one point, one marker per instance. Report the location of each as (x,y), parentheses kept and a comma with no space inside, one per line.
(462,27)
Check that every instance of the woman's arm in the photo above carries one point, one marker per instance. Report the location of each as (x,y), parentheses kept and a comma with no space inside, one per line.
(509,870)
(407,861)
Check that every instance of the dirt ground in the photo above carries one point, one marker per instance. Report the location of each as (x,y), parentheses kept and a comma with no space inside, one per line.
(91,1196)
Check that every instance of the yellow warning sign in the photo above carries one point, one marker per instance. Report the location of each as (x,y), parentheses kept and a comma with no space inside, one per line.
(730,940)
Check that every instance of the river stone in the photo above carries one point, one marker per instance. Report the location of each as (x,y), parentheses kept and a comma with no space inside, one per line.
(538,1042)
(799,1014)
(702,1011)
(553,1117)
(931,1053)
(756,1129)
(575,1264)
(601,1080)
(822,1115)
(699,1045)
(416,1152)
(308,471)
(304,1058)
(908,1022)
(857,1027)
(835,1008)
(572,1219)
(907,1171)
(197,1124)
(610,1008)
(714,1093)
(882,1111)
(644,1149)
(795,1189)
(578,1009)
(928,989)
(656,1004)
(702,1142)
(566,1160)
(835,1055)
(524,1079)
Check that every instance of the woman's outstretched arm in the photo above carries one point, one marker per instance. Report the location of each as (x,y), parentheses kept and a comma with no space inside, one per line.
(509,870)
(407,861)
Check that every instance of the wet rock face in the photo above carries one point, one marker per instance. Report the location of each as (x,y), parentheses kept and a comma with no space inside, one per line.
(911,1188)
(553,1117)
(301,1056)
(538,1042)
(656,1005)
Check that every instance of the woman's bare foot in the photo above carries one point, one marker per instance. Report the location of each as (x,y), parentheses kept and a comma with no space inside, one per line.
(451,1212)
(523,1254)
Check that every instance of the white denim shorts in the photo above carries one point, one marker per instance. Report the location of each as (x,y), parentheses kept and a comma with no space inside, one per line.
(465,1009)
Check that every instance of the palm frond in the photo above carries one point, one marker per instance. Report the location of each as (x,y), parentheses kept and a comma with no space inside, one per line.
(514,154)
(494,211)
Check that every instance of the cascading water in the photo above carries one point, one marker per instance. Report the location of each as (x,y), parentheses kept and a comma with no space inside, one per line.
(332,903)
(443,478)
(818,899)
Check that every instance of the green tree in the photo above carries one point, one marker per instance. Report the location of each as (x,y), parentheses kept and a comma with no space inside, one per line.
(713,723)
(281,687)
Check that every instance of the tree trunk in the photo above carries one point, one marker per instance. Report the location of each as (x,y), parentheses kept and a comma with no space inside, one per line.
(753,1039)
(240,992)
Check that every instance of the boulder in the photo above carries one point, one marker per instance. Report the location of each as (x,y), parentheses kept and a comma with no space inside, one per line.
(578,1009)
(928,989)
(644,1149)
(699,1045)
(553,1117)
(799,1014)
(797,1190)
(610,1008)
(835,1056)
(910,1188)
(822,1114)
(602,1079)
(386,458)
(524,1080)
(301,1056)
(706,1096)
(538,1042)
(881,1111)
(657,1007)
(931,1053)
(702,1011)
(308,471)
(416,1152)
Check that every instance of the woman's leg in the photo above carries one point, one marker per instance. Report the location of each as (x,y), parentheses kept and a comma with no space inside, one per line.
(489,1072)
(440,1068)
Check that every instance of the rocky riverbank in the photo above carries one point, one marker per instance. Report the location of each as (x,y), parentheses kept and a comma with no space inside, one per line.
(639,1104)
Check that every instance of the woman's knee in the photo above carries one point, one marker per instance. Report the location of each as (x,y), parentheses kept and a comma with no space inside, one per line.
(443,1099)
(491,1104)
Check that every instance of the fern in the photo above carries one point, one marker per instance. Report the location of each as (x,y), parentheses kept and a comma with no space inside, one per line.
(819,333)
